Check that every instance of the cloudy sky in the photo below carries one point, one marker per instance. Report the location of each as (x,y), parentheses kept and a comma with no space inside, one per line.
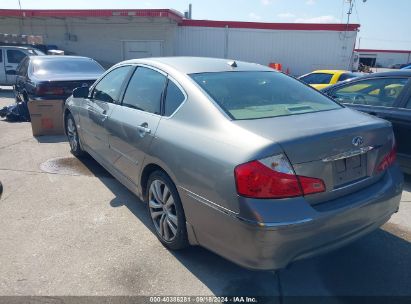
(384,24)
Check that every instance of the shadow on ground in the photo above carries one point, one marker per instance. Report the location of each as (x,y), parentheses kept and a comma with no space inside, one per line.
(6,92)
(407,184)
(50,139)
(378,264)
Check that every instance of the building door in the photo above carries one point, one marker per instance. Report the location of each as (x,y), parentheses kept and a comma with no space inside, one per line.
(142,49)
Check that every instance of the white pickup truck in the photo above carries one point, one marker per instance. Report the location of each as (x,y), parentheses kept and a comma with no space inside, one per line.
(10,57)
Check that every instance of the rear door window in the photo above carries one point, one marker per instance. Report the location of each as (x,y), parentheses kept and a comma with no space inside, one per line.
(173,99)
(109,88)
(15,56)
(374,92)
(1,55)
(145,90)
(317,78)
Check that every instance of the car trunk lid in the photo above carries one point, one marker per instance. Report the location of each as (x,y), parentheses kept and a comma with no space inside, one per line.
(342,147)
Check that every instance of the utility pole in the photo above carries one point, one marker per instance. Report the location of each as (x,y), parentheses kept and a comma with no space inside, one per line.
(352,3)
(21,19)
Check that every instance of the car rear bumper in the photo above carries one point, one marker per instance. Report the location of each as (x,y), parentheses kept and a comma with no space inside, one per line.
(274,245)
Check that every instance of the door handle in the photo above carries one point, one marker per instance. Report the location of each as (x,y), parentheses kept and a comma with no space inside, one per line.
(143,129)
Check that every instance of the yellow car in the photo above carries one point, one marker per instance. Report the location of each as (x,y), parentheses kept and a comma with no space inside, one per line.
(321,79)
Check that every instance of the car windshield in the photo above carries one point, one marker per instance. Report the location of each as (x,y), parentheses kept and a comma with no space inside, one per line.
(317,78)
(252,95)
(66,66)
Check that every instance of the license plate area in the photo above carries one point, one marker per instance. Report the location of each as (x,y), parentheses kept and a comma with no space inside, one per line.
(349,170)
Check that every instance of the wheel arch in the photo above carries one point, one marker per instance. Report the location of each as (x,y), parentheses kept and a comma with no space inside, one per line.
(148,169)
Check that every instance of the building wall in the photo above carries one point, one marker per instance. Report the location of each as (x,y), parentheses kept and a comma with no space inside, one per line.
(92,37)
(102,38)
(299,51)
(387,59)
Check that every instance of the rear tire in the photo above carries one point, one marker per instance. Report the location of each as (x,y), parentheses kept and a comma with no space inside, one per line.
(166,211)
(72,135)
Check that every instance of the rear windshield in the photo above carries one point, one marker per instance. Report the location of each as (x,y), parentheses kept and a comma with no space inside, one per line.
(251,95)
(317,78)
(66,66)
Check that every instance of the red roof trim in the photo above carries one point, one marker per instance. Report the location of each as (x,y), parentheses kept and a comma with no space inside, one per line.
(160,13)
(382,51)
(271,26)
(175,15)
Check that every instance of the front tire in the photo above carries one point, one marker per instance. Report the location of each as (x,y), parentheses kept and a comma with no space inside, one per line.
(72,135)
(166,211)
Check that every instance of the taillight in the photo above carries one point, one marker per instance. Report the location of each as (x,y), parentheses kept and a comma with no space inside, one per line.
(388,160)
(273,177)
(46,90)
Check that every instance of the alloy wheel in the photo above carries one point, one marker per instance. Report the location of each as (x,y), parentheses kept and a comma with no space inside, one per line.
(163,210)
(72,134)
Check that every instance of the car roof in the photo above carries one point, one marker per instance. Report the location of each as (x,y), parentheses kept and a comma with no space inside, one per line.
(192,65)
(18,47)
(57,57)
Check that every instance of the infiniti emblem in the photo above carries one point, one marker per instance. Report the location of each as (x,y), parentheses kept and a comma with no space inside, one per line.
(357,141)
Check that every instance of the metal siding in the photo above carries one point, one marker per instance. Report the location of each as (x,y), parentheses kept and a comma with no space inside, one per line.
(386,58)
(298,51)
(200,41)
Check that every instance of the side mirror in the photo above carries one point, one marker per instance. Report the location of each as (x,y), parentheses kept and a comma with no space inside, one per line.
(11,72)
(81,92)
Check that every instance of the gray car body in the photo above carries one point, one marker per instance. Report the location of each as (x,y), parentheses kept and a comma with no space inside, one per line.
(199,146)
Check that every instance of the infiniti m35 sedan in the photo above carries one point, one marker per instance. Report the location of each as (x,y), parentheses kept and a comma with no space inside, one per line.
(238,158)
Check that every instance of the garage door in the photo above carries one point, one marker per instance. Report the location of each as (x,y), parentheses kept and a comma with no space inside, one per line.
(142,49)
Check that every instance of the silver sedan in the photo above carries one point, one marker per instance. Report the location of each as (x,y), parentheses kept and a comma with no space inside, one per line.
(236,157)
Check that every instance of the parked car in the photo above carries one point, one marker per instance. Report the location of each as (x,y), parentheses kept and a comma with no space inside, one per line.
(237,157)
(398,66)
(54,77)
(395,66)
(385,95)
(10,58)
(323,78)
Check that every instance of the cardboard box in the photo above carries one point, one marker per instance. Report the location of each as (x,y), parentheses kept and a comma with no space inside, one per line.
(46,117)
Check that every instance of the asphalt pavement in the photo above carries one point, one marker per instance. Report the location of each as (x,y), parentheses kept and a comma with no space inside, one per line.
(69,228)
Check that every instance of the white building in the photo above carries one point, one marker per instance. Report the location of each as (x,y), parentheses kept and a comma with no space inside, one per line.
(383,58)
(110,36)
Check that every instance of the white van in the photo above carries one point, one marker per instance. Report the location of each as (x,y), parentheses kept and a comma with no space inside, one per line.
(10,57)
